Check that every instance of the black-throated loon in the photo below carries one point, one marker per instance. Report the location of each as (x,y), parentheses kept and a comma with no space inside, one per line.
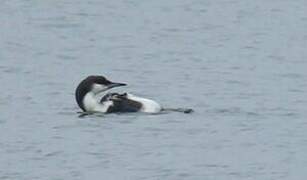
(89,89)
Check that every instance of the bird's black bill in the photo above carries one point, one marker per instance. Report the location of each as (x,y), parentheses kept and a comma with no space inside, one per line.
(112,85)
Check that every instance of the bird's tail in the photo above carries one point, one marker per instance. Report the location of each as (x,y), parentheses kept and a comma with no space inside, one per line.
(182,110)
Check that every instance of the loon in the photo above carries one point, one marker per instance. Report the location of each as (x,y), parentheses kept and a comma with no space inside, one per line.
(89,90)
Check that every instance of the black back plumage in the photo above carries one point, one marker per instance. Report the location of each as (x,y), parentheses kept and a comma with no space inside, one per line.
(121,103)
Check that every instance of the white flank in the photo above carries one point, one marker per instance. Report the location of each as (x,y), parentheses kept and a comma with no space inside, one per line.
(148,105)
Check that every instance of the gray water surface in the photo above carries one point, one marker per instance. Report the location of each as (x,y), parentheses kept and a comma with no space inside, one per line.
(241,65)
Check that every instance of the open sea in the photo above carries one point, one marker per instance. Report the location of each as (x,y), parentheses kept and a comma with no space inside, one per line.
(240,64)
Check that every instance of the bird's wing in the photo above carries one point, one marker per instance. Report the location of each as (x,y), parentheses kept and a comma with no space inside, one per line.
(121,103)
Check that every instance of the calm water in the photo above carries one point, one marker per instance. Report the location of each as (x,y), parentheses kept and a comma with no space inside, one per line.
(241,65)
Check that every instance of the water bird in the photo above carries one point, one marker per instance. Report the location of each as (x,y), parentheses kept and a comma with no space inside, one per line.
(89,91)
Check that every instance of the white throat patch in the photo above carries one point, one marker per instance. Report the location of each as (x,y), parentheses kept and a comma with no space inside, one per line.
(92,104)
(97,88)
